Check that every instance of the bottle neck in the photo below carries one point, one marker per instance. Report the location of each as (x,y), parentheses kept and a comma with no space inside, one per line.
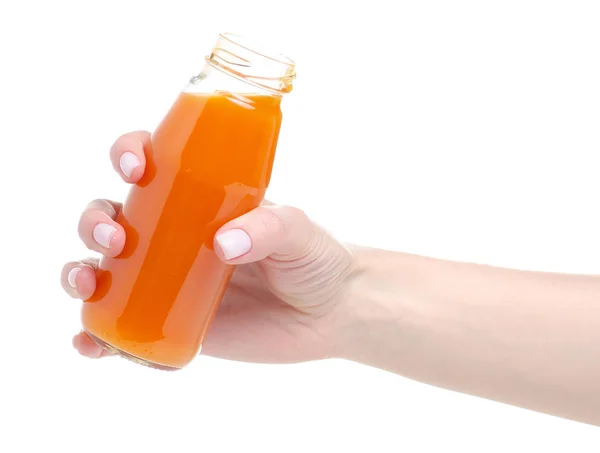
(246,62)
(217,82)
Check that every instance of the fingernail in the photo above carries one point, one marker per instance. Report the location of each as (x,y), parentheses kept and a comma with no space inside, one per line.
(234,243)
(95,353)
(103,233)
(72,277)
(128,162)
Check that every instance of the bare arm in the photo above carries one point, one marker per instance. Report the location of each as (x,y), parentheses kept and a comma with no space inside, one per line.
(523,338)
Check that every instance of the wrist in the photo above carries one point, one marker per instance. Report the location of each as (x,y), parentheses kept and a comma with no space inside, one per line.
(371,315)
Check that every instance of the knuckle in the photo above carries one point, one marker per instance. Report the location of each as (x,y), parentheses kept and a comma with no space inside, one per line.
(92,262)
(122,139)
(102,205)
(282,220)
(296,214)
(293,216)
(273,222)
(134,140)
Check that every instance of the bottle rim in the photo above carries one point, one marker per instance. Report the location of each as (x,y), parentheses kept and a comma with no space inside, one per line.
(243,41)
(247,60)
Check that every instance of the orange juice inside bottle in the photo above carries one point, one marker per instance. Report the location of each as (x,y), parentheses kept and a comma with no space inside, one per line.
(210,161)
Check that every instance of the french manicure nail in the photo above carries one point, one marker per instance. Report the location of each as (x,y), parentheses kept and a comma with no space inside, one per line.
(128,162)
(95,353)
(234,243)
(103,234)
(72,277)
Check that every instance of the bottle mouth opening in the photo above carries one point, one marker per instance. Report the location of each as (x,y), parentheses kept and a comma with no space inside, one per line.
(257,48)
(250,61)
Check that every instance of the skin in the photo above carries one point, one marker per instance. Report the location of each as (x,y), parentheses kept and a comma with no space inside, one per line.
(523,338)
(283,298)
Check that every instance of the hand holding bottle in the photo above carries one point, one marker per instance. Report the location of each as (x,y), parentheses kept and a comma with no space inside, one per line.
(523,338)
(284,298)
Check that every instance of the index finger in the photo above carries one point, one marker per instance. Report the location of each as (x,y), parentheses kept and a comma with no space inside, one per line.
(128,155)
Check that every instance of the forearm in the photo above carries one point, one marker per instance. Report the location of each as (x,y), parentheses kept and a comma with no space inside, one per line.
(524,338)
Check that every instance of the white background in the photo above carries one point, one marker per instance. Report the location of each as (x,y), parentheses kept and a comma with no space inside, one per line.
(457,129)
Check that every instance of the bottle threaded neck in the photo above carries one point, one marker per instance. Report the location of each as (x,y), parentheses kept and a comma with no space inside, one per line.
(245,60)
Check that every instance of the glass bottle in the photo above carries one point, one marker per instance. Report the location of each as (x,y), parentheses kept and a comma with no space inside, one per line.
(209,162)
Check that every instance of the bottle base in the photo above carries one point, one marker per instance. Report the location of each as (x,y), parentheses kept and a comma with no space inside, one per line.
(110,348)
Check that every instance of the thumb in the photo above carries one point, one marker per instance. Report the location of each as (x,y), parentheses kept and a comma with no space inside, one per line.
(280,232)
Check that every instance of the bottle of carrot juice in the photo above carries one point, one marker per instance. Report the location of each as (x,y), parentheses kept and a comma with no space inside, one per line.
(209,162)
